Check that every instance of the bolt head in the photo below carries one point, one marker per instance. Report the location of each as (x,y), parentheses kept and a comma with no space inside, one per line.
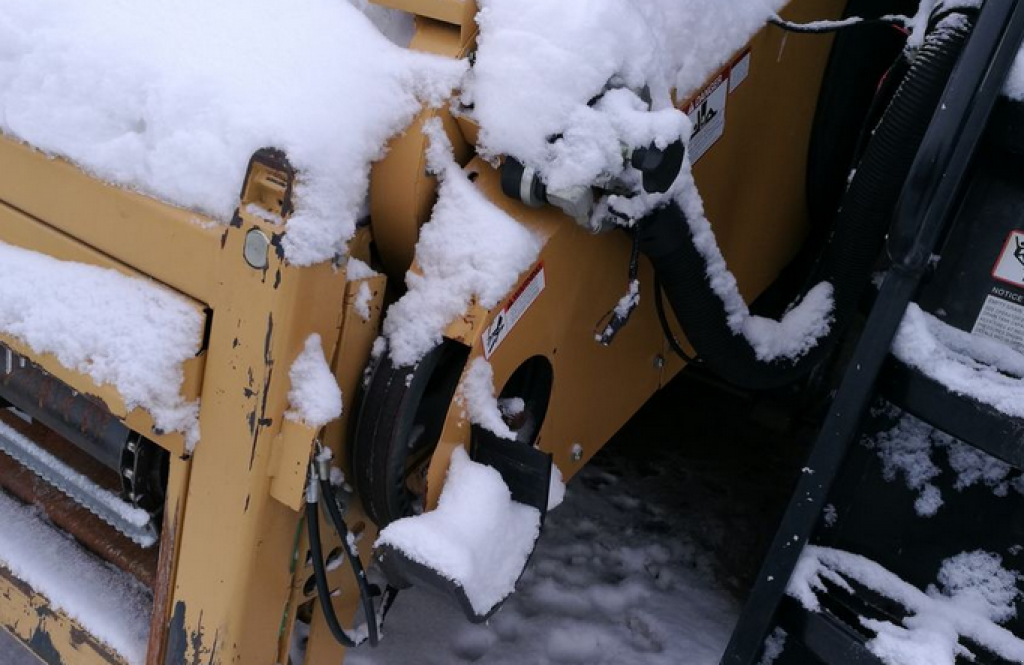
(659,361)
(577,452)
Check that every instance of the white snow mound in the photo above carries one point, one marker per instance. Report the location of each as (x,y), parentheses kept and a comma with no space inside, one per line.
(478,537)
(477,391)
(976,594)
(540,64)
(981,368)
(315,397)
(171,99)
(470,249)
(123,331)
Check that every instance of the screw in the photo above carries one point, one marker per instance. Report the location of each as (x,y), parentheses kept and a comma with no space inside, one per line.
(255,249)
(659,361)
(577,452)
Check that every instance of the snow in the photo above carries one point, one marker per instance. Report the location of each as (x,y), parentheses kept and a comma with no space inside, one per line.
(110,604)
(971,365)
(800,328)
(173,99)
(477,392)
(477,537)
(975,594)
(121,331)
(470,250)
(774,645)
(907,449)
(540,66)
(314,396)
(556,488)
(361,306)
(357,270)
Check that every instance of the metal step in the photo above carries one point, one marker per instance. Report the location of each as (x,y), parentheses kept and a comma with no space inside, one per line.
(133,522)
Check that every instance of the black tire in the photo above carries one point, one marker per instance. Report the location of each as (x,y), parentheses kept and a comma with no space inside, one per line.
(399,401)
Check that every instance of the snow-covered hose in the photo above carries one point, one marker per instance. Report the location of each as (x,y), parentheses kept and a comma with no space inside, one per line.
(849,254)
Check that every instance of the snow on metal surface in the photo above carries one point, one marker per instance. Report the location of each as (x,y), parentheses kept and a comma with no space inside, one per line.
(173,99)
(108,603)
(119,330)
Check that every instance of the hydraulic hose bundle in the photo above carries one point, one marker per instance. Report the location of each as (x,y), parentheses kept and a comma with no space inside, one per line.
(851,250)
(320,489)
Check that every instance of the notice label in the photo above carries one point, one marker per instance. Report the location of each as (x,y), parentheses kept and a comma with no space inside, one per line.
(1002,319)
(1009,267)
(509,316)
(707,110)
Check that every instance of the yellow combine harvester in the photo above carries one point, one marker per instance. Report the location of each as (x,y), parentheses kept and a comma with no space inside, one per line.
(226,554)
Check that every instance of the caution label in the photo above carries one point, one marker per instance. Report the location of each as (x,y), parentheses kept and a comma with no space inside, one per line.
(509,316)
(1010,266)
(1002,318)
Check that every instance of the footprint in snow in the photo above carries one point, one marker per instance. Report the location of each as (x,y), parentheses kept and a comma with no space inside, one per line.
(472,642)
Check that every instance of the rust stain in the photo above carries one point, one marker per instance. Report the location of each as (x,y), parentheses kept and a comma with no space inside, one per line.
(159,622)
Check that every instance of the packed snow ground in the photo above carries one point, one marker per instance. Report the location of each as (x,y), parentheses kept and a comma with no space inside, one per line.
(643,561)
(112,605)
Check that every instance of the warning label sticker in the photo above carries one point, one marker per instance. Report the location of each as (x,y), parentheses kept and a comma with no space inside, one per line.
(707,110)
(1009,267)
(509,316)
(1002,320)
(707,113)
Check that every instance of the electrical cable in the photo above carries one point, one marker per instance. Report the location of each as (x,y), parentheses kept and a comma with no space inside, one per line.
(670,337)
(825,27)
(320,576)
(327,492)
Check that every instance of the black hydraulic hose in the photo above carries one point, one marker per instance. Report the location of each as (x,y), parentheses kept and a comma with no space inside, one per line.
(851,251)
(323,590)
(353,558)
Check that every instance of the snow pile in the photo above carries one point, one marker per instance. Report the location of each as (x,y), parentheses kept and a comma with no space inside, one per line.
(971,365)
(478,537)
(477,393)
(119,330)
(976,594)
(172,99)
(540,66)
(315,397)
(774,645)
(111,605)
(906,448)
(469,250)
(556,488)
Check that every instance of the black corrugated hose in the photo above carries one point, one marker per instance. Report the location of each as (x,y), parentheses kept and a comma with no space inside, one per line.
(850,252)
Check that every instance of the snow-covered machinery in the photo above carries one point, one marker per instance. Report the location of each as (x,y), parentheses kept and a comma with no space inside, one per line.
(261,414)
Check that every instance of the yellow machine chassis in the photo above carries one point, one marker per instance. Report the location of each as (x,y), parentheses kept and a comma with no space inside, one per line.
(232,570)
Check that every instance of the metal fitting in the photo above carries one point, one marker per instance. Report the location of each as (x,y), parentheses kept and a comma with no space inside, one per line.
(312,486)
(255,250)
